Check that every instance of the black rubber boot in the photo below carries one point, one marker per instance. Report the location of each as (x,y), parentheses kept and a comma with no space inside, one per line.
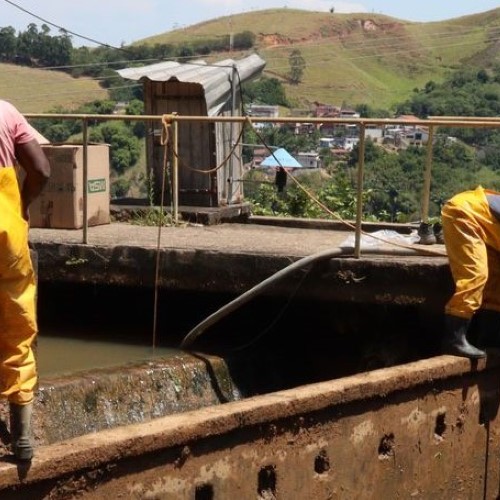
(455,338)
(438,233)
(426,234)
(488,328)
(20,429)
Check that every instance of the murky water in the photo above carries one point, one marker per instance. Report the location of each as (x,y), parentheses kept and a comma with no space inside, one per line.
(87,327)
(59,355)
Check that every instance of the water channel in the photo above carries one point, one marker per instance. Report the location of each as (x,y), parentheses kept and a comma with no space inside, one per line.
(87,327)
(273,342)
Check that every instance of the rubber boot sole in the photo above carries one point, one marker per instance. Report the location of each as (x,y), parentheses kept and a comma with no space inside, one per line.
(23,450)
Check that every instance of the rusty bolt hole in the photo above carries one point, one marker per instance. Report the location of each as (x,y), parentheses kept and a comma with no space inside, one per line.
(204,492)
(322,463)
(267,482)
(440,428)
(386,446)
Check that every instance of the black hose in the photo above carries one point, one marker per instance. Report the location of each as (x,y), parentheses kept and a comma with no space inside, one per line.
(260,287)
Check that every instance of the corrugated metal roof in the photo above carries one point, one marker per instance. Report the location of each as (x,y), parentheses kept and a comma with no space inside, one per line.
(216,78)
(281,158)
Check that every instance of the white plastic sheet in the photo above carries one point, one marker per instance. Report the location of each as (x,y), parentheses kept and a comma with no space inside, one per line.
(381,238)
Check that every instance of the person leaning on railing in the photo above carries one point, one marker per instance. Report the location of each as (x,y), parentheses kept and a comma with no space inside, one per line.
(471,228)
(18,325)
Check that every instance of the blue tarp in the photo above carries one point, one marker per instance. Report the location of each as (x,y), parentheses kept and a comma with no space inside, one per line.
(280,158)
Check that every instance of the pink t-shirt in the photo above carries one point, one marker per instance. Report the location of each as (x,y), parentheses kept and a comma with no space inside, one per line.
(14,129)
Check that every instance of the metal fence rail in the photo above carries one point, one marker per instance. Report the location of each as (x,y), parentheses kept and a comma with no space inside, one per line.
(431,124)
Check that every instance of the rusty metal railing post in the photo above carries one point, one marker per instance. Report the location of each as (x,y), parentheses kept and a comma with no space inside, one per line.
(85,180)
(175,171)
(232,125)
(426,191)
(359,201)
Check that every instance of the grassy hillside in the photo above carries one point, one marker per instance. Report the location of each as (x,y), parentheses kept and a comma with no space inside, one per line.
(350,58)
(355,58)
(38,91)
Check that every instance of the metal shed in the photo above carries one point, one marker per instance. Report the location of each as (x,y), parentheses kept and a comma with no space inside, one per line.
(198,89)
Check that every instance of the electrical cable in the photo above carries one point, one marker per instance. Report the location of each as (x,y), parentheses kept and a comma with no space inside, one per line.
(402,49)
(64,29)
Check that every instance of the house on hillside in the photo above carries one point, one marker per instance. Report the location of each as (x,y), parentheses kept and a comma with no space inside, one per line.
(256,111)
(414,134)
(264,110)
(348,113)
(326,110)
(280,158)
(259,155)
(321,110)
(402,135)
(374,132)
(304,128)
(348,143)
(309,159)
(209,175)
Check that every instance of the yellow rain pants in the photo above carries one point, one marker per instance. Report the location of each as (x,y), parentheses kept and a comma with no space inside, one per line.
(18,328)
(472,237)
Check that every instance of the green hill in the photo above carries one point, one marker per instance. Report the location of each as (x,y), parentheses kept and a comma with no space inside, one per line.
(354,58)
(38,91)
(350,58)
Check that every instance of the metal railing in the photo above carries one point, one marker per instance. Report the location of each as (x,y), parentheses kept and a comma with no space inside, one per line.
(431,124)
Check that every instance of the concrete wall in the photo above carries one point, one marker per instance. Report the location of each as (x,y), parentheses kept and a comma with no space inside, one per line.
(97,400)
(427,429)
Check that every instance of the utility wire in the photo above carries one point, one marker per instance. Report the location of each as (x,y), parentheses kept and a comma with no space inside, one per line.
(10,2)
(62,28)
(401,49)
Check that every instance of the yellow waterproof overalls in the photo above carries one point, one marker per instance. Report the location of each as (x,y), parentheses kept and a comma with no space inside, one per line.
(472,237)
(18,328)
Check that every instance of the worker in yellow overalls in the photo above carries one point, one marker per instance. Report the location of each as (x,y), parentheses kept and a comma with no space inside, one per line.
(471,227)
(18,326)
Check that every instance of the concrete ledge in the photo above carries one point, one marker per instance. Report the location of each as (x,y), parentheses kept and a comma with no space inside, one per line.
(95,450)
(333,225)
(226,258)
(88,402)
(369,279)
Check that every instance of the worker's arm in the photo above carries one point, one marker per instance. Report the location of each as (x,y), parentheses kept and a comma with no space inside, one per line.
(36,165)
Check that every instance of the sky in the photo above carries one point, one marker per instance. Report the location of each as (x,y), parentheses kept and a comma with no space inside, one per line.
(117,22)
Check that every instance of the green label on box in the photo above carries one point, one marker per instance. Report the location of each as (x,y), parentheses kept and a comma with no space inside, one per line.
(96,185)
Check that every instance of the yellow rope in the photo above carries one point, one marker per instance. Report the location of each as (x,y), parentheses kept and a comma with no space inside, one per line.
(221,164)
(165,137)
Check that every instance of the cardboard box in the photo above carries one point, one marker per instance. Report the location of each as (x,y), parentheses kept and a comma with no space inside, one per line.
(60,204)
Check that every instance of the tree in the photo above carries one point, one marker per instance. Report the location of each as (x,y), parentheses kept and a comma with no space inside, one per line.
(125,148)
(265,91)
(8,43)
(366,111)
(27,43)
(244,40)
(136,108)
(297,66)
